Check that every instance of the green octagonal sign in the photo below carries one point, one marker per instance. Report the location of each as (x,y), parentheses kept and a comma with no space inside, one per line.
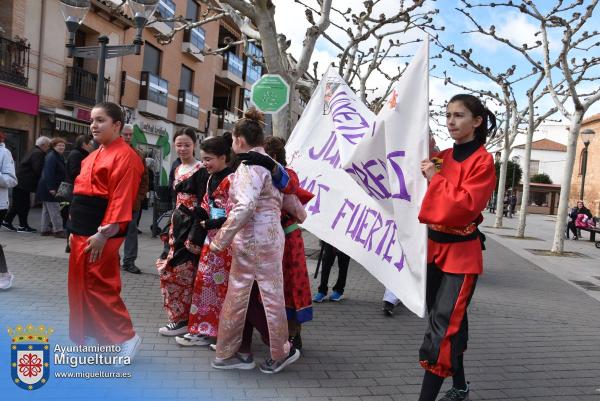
(270,93)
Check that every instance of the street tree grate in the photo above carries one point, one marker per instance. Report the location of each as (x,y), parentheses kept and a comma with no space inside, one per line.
(565,254)
(586,285)
(526,238)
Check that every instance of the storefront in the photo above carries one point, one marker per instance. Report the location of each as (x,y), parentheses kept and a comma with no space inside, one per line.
(63,123)
(18,109)
(155,137)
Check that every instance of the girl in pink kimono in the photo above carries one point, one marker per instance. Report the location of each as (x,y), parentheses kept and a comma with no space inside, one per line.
(253,229)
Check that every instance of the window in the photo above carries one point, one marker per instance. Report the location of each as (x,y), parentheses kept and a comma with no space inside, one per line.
(166,9)
(151,59)
(158,91)
(534,167)
(253,69)
(234,64)
(197,38)
(187,79)
(191,12)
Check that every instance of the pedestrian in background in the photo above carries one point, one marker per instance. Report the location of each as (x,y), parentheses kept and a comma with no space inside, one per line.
(130,249)
(53,174)
(83,147)
(29,172)
(8,179)
(329,254)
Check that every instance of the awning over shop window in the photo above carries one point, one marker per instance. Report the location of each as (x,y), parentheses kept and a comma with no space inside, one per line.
(73,127)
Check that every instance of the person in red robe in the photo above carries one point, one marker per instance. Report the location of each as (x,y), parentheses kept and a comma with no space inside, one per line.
(103,197)
(461,181)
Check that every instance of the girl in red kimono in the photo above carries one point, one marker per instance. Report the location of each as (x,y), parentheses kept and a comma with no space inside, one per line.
(178,270)
(461,181)
(103,197)
(210,286)
(296,283)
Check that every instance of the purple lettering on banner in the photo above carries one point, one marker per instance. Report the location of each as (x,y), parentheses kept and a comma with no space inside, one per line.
(364,181)
(329,152)
(403,194)
(310,184)
(377,179)
(346,118)
(341,212)
(359,222)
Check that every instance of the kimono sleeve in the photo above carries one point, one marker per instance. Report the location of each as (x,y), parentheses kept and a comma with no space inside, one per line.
(123,184)
(246,189)
(454,206)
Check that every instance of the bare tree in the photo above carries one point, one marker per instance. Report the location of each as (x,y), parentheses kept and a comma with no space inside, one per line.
(574,66)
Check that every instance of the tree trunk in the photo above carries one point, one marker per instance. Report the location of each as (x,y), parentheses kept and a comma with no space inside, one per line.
(565,186)
(503,169)
(526,170)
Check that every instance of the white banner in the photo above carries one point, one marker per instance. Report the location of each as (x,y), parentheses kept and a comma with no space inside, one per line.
(365,173)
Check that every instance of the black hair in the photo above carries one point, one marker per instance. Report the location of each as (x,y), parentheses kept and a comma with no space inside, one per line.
(82,140)
(187,131)
(113,110)
(488,125)
(275,147)
(250,128)
(218,146)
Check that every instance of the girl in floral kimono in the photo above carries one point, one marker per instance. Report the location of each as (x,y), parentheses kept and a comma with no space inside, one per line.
(253,229)
(210,285)
(178,269)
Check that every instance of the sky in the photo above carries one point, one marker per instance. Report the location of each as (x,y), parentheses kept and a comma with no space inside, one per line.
(509,23)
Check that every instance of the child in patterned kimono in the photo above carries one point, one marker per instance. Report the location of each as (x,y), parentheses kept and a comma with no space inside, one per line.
(177,271)
(253,229)
(296,283)
(210,286)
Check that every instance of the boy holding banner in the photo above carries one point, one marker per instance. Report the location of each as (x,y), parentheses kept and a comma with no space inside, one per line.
(461,181)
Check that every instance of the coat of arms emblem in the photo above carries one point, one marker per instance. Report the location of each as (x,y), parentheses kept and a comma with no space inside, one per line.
(30,356)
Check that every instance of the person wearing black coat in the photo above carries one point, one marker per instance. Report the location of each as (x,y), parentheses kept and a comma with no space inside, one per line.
(29,172)
(53,174)
(83,147)
(577,210)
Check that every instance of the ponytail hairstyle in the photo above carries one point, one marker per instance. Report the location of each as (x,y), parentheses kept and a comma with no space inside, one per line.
(275,147)
(218,146)
(250,127)
(187,131)
(488,125)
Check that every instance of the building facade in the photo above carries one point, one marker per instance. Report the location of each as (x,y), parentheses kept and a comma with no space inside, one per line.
(591,195)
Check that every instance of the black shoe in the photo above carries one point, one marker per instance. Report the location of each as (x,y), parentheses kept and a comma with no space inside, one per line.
(455,394)
(139,231)
(296,341)
(26,229)
(9,226)
(131,269)
(270,366)
(68,249)
(388,308)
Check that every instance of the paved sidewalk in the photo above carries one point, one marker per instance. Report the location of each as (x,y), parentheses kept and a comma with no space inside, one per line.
(533,337)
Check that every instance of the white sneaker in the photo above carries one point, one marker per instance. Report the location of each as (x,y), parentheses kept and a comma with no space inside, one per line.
(130,348)
(188,340)
(6,280)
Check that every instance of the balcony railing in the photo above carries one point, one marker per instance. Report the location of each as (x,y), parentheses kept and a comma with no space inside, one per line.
(233,63)
(154,88)
(14,62)
(81,86)
(226,119)
(188,103)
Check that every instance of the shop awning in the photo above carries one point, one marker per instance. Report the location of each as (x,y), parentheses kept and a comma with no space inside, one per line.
(19,100)
(73,127)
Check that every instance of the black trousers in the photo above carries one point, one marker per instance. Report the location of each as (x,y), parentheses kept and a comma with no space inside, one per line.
(19,207)
(448,296)
(3,267)
(329,254)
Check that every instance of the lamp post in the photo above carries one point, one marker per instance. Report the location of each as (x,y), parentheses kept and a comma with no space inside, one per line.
(515,160)
(586,137)
(74,12)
